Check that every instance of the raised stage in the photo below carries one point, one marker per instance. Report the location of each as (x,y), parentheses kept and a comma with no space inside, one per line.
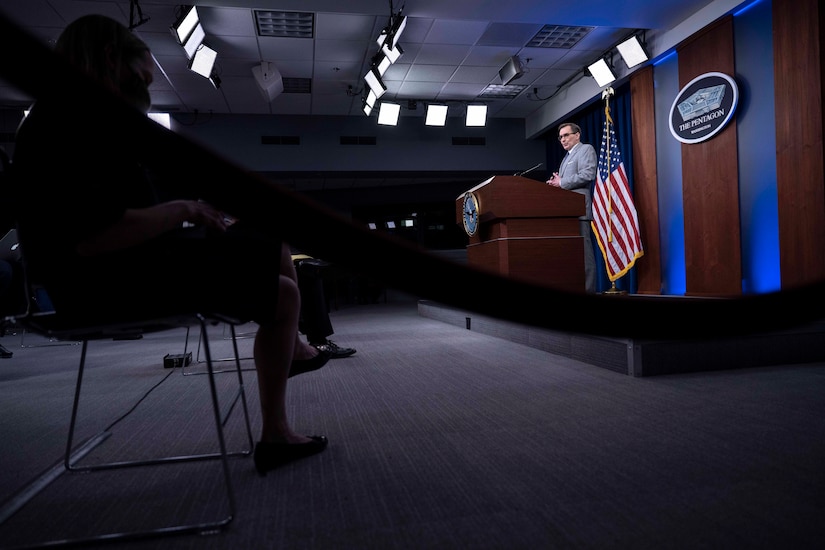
(648,357)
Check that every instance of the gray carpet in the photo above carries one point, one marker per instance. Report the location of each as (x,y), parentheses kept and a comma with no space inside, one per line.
(440,438)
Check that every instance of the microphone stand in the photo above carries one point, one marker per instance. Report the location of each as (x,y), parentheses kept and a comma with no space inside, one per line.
(528,170)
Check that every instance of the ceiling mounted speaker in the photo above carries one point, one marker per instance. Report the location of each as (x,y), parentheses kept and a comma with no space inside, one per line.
(511,70)
(268,79)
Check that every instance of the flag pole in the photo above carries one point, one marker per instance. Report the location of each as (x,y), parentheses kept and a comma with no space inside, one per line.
(606,94)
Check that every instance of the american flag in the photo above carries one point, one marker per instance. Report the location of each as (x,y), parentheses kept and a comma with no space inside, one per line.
(615,223)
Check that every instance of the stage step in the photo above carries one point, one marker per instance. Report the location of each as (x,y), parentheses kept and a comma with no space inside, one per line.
(648,357)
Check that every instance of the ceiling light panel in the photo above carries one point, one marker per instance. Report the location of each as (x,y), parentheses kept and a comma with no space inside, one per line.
(388,113)
(436,115)
(285,24)
(476,115)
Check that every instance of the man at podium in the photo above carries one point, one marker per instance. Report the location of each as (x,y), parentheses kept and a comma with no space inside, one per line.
(577,173)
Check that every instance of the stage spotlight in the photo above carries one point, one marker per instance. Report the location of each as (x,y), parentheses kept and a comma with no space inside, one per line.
(392,53)
(476,115)
(191,45)
(390,35)
(183,28)
(373,80)
(436,115)
(369,102)
(190,34)
(388,113)
(203,61)
(601,71)
(382,63)
(632,52)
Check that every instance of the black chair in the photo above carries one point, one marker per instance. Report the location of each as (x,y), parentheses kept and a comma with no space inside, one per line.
(54,325)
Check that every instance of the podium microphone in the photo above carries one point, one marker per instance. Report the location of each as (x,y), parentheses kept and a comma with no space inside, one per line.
(528,170)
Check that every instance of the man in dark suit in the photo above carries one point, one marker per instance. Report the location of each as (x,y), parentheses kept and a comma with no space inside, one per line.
(577,173)
(314,321)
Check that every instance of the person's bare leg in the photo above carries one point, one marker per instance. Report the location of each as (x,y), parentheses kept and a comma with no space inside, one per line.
(273,353)
(273,349)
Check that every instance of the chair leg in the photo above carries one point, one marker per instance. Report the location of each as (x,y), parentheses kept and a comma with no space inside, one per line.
(241,393)
(233,336)
(70,460)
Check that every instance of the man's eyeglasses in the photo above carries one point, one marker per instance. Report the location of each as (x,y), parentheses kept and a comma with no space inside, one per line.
(562,136)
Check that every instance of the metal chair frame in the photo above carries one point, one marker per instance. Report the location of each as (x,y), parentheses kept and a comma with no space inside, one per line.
(233,336)
(52,325)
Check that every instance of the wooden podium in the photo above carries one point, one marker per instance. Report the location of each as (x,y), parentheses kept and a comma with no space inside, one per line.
(527,230)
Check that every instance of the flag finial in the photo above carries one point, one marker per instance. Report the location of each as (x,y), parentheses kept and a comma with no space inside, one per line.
(607,92)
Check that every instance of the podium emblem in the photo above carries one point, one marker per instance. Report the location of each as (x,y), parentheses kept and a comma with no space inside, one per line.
(471,207)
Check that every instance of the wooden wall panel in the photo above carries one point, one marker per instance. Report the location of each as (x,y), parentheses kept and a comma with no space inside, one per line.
(645,181)
(710,178)
(798,60)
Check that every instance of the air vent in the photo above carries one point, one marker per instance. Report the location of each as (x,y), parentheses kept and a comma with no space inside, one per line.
(285,24)
(469,141)
(558,36)
(280,140)
(297,85)
(358,140)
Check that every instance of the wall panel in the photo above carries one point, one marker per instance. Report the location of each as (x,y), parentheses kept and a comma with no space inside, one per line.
(797,39)
(710,178)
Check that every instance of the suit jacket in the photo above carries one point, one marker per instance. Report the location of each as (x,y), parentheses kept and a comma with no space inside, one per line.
(578,173)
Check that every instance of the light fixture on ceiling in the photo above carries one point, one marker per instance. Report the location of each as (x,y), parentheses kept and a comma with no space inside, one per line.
(632,51)
(388,53)
(373,80)
(476,115)
(601,72)
(186,24)
(388,113)
(369,102)
(382,63)
(391,33)
(436,115)
(194,40)
(392,53)
(190,35)
(203,61)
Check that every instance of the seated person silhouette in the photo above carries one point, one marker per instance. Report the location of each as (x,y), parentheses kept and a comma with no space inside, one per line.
(314,321)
